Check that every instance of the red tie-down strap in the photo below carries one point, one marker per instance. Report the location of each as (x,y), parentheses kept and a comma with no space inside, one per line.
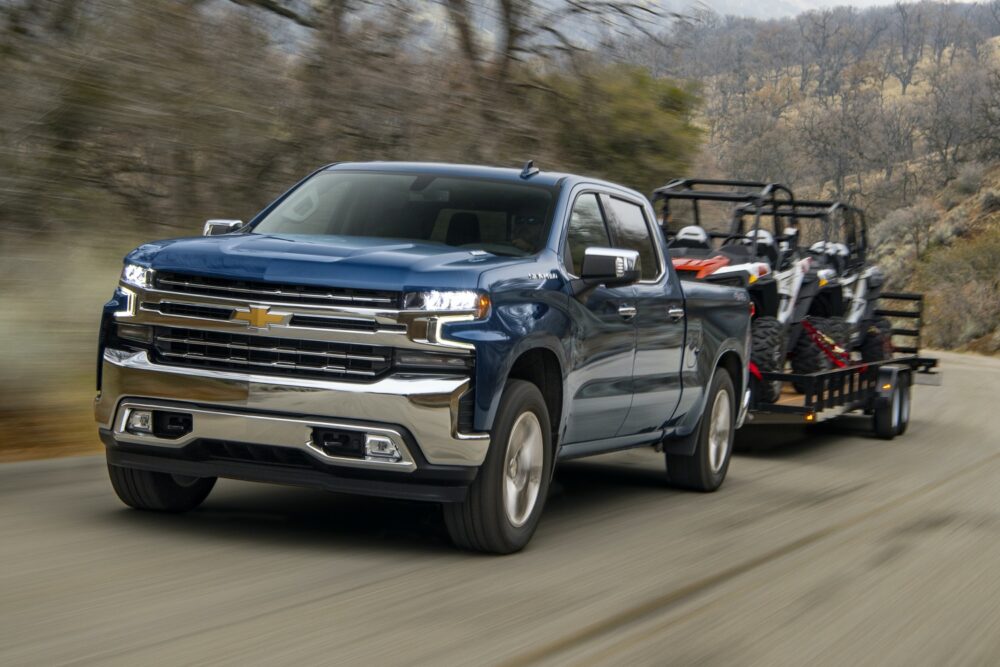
(836,354)
(754,371)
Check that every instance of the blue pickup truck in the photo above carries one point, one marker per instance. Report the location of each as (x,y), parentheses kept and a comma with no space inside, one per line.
(424,331)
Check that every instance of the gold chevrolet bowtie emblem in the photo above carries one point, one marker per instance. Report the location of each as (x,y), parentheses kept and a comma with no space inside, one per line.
(259,317)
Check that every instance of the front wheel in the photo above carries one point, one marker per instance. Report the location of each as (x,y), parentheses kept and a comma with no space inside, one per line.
(706,469)
(159,491)
(767,352)
(808,357)
(501,511)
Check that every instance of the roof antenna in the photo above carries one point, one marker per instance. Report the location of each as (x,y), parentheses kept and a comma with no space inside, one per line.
(529,169)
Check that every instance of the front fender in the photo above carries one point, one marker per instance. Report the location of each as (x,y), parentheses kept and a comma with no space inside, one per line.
(520,321)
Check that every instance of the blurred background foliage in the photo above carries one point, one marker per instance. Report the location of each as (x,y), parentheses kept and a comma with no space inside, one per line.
(126,121)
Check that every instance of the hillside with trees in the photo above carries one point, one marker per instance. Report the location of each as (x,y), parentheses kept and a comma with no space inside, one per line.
(127,121)
(895,109)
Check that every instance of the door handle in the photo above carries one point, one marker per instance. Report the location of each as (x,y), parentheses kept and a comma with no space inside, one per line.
(675,314)
(627,312)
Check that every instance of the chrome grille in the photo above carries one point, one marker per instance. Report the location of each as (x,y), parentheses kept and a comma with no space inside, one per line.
(270,355)
(265,291)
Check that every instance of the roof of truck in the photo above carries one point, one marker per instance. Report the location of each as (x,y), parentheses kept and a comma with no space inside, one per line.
(540,177)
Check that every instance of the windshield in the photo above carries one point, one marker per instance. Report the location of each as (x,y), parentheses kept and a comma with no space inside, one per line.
(496,216)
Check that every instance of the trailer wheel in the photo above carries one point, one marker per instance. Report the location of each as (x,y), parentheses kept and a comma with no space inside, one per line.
(504,503)
(706,469)
(904,409)
(158,491)
(886,418)
(767,351)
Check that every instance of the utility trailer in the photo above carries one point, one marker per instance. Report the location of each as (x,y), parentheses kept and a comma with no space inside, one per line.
(877,388)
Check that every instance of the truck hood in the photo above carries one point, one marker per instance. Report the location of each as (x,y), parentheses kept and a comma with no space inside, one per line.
(331,261)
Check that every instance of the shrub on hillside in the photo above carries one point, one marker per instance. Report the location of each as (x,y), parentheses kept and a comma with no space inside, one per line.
(970,178)
(906,229)
(990,202)
(960,286)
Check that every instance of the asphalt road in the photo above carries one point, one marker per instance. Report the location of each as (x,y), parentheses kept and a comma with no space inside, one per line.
(829,547)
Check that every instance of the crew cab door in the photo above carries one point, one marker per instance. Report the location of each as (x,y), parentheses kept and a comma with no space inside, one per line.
(659,319)
(599,386)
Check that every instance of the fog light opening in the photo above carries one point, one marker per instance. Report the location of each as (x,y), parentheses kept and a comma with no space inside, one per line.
(381,448)
(140,421)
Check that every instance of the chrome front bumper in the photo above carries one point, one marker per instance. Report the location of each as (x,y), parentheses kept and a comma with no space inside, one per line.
(283,411)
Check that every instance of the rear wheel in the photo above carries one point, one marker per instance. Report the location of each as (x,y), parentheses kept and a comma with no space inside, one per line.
(159,491)
(706,469)
(767,352)
(886,419)
(505,502)
(838,330)
(904,409)
(876,341)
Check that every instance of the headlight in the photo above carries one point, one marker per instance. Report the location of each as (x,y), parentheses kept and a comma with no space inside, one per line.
(137,276)
(459,301)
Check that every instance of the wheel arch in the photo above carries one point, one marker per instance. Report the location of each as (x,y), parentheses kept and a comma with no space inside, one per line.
(541,365)
(685,439)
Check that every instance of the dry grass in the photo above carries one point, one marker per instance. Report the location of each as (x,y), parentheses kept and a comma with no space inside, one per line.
(61,427)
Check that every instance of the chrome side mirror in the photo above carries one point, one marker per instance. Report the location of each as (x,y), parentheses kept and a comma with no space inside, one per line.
(217,227)
(613,267)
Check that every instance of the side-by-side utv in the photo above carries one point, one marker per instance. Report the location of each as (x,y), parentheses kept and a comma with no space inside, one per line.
(732,244)
(845,309)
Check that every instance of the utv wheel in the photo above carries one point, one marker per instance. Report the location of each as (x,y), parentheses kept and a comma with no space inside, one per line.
(876,341)
(706,469)
(807,357)
(767,352)
(886,417)
(504,503)
(839,331)
(159,491)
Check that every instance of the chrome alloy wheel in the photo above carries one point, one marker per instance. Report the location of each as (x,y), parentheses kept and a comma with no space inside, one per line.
(720,425)
(522,468)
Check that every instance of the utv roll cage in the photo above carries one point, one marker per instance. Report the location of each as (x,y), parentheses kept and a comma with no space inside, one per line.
(853,227)
(748,198)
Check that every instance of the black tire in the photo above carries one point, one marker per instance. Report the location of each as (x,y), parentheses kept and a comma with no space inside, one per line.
(839,330)
(886,417)
(159,491)
(904,409)
(807,357)
(696,471)
(876,340)
(767,352)
(481,522)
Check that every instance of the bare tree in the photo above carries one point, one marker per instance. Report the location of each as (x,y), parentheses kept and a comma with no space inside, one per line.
(952,120)
(906,43)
